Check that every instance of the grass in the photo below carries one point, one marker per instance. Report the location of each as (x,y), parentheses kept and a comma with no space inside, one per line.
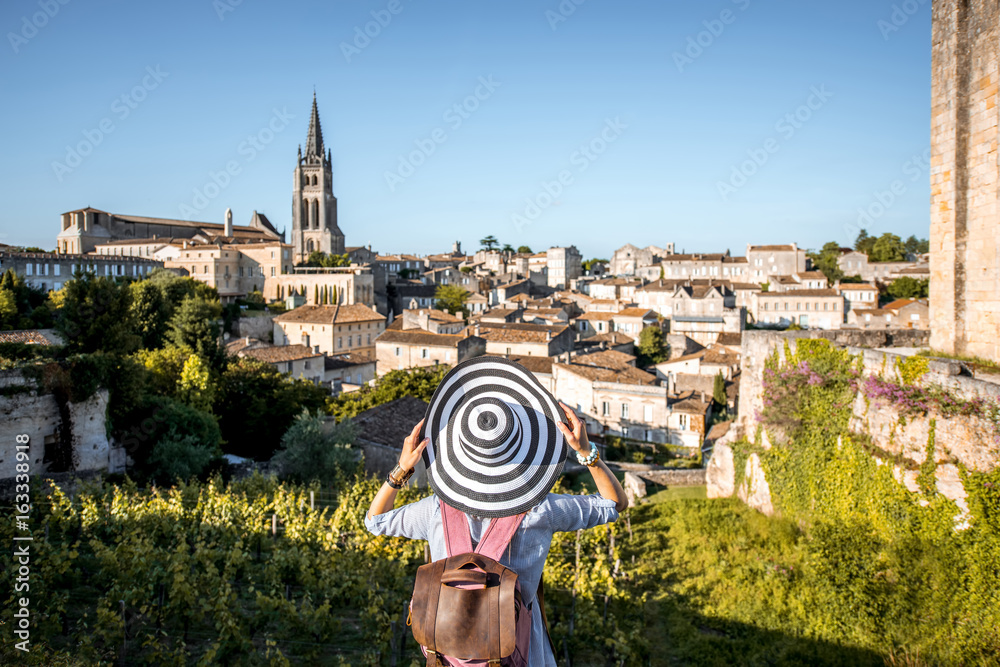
(975,363)
(661,494)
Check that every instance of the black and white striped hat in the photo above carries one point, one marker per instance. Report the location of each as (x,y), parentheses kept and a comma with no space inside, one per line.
(494,447)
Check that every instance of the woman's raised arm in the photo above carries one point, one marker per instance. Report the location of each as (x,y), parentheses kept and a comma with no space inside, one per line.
(576,437)
(385,499)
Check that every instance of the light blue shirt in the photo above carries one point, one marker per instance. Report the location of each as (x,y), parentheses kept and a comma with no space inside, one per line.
(528,549)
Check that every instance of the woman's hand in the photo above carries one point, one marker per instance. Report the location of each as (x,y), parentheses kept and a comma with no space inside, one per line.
(575,433)
(413,450)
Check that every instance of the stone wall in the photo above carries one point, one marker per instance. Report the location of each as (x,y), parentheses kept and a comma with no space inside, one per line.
(964,234)
(81,426)
(261,327)
(758,345)
(895,438)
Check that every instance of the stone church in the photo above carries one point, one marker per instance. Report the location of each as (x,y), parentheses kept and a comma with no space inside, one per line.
(314,208)
(314,215)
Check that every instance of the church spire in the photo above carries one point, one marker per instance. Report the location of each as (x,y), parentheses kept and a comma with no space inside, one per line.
(314,141)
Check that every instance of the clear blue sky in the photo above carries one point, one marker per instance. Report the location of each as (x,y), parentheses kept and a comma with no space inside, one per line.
(686,126)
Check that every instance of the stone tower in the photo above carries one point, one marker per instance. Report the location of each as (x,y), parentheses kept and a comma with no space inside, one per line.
(965,178)
(314,208)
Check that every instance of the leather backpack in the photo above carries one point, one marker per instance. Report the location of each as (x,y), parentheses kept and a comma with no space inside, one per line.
(467,608)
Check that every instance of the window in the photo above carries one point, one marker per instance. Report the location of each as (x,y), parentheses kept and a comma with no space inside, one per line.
(605,409)
(399,351)
(424,353)
(624,410)
(647,413)
(27,269)
(683,419)
(307,364)
(56,271)
(340,343)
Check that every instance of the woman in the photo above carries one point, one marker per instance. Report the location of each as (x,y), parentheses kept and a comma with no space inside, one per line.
(496,443)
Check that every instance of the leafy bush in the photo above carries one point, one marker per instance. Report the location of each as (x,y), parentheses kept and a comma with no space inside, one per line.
(311,451)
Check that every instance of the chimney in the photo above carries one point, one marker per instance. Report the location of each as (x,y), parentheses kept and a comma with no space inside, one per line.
(702,397)
(477,329)
(548,335)
(228,227)
(566,357)
(246,341)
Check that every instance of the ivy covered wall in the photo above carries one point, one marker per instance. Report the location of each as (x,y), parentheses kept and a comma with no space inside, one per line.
(891,464)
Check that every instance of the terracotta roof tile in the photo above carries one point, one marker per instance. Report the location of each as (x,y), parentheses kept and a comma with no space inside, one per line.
(331,314)
(519,333)
(415,337)
(280,353)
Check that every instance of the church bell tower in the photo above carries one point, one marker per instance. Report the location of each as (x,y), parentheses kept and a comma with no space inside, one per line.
(314,208)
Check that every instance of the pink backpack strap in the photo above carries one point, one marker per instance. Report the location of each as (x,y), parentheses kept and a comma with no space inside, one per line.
(457,538)
(498,535)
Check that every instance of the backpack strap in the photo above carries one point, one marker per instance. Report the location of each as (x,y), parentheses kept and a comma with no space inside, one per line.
(457,538)
(498,535)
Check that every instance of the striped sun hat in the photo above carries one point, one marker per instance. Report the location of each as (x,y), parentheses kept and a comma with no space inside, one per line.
(494,447)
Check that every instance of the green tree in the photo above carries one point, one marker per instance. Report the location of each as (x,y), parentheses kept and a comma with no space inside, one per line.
(194,328)
(652,347)
(97,316)
(887,248)
(31,309)
(719,392)
(525,250)
(826,261)
(489,243)
(917,246)
(312,450)
(588,265)
(171,440)
(195,385)
(508,248)
(256,404)
(417,382)
(864,242)
(164,367)
(8,308)
(151,312)
(320,259)
(451,298)
(908,288)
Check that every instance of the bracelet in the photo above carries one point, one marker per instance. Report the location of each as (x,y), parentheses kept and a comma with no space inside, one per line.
(398,477)
(391,482)
(591,458)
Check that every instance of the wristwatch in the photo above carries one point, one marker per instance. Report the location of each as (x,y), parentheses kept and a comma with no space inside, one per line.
(398,477)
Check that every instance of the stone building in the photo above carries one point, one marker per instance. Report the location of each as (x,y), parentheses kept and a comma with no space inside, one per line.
(50,271)
(345,285)
(899,314)
(314,206)
(702,266)
(767,261)
(965,175)
(815,308)
(84,229)
(398,349)
(564,265)
(858,295)
(297,361)
(535,340)
(234,269)
(628,259)
(613,396)
(330,329)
